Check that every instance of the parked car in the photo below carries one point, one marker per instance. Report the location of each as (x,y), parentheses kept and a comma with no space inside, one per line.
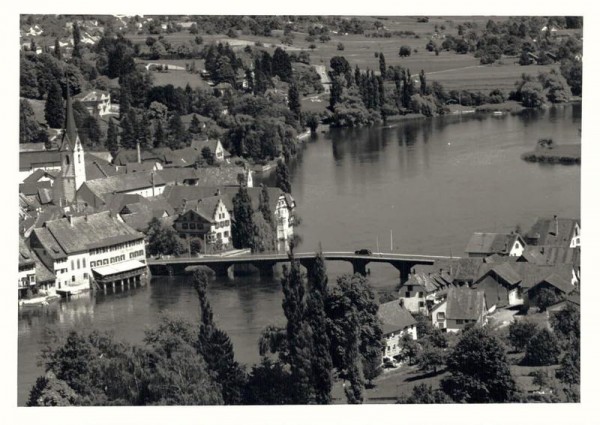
(388,363)
(363,251)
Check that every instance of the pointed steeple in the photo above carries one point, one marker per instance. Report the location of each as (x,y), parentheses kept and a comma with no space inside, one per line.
(70,133)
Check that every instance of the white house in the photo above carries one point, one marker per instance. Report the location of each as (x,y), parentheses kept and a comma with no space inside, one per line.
(485,244)
(396,321)
(462,307)
(97,102)
(207,219)
(75,247)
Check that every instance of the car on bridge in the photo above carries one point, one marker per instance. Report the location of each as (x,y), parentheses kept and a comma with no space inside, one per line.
(363,251)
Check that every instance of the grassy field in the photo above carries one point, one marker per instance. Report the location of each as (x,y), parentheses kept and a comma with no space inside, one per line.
(391,384)
(486,77)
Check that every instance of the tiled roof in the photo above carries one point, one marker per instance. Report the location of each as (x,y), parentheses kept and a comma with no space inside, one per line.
(394,318)
(532,274)
(219,176)
(464,303)
(39,173)
(123,183)
(490,243)
(50,244)
(29,160)
(92,231)
(558,281)
(102,155)
(544,231)
(125,156)
(26,257)
(495,294)
(135,167)
(96,168)
(42,273)
(30,189)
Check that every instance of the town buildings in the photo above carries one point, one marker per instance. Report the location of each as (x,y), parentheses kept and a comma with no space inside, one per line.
(396,322)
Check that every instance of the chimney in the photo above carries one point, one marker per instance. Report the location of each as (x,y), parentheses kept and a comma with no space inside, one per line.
(218,192)
(555,226)
(139,153)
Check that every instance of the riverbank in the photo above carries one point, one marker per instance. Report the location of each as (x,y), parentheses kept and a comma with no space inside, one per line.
(562,154)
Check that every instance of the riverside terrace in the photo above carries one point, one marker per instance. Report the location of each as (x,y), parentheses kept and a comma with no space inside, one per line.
(265,262)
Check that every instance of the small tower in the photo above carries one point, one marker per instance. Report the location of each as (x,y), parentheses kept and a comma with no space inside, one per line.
(72,172)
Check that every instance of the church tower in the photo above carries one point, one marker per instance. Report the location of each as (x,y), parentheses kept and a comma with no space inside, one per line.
(72,172)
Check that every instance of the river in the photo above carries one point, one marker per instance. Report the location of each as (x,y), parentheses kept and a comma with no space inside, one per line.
(419,186)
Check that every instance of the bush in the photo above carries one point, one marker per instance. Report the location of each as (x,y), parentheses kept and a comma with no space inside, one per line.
(340,46)
(404,51)
(520,333)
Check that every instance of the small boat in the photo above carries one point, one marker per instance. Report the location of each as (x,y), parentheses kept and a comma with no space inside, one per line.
(498,113)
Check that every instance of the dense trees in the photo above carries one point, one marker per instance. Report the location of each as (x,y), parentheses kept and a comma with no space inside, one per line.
(242,226)
(479,370)
(29,129)
(163,239)
(282,176)
(520,333)
(542,349)
(54,110)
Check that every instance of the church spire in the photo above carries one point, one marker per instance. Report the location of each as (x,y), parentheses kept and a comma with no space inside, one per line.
(70,128)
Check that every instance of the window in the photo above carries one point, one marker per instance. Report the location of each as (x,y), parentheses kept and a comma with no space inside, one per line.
(105,262)
(85,275)
(78,264)
(420,294)
(193,226)
(441,316)
(407,295)
(409,288)
(421,304)
(72,278)
(226,234)
(72,264)
(92,263)
(184,225)
(83,263)
(459,322)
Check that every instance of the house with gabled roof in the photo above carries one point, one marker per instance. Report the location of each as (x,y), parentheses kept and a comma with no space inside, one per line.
(97,102)
(424,287)
(76,247)
(486,244)
(207,219)
(26,274)
(396,321)
(501,285)
(555,231)
(214,145)
(555,282)
(462,307)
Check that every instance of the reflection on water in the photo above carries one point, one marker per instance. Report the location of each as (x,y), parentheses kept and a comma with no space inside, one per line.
(422,185)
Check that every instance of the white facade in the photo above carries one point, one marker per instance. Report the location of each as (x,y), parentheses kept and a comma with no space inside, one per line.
(517,249)
(393,341)
(147,192)
(79,163)
(438,315)
(576,238)
(285,227)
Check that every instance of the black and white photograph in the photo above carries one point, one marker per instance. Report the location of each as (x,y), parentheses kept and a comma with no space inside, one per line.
(299,209)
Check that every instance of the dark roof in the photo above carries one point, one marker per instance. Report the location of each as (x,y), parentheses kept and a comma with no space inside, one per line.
(465,303)
(102,155)
(123,183)
(490,243)
(26,257)
(39,173)
(544,231)
(29,160)
(532,274)
(495,294)
(461,269)
(92,231)
(97,168)
(30,189)
(42,273)
(558,281)
(394,318)
(135,167)
(125,156)
(50,244)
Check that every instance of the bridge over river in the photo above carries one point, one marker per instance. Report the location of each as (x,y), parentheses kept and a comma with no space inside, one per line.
(265,262)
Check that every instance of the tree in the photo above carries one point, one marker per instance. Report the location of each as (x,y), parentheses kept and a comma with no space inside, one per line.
(424,394)
(540,378)
(49,391)
(543,349)
(431,358)
(264,206)
(195,126)
(54,110)
(423,87)
(569,370)
(312,121)
(532,95)
(520,333)
(410,348)
(57,51)
(76,41)
(269,383)
(382,66)
(242,226)
(263,234)
(29,129)
(159,135)
(294,100)
(322,365)
(404,51)
(545,298)
(479,370)
(566,324)
(216,348)
(177,133)
(112,141)
(282,177)
(163,240)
